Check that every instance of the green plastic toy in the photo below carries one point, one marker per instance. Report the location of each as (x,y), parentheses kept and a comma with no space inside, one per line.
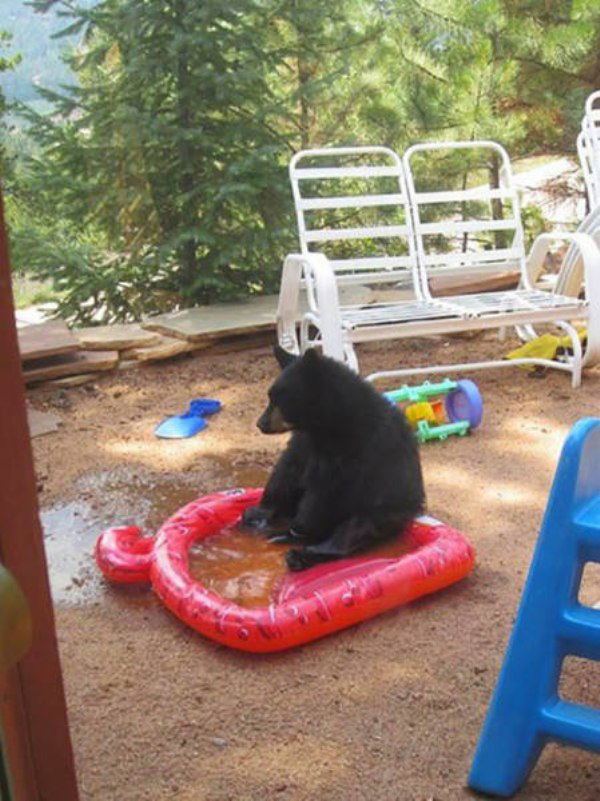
(421,392)
(462,407)
(425,431)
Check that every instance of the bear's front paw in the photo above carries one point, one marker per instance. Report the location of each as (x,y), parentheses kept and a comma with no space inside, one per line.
(257,517)
(298,559)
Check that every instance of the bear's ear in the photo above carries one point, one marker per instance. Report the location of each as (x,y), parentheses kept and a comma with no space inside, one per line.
(312,356)
(284,357)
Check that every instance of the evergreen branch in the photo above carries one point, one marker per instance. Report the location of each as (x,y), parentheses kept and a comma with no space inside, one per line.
(421,68)
(367,39)
(245,115)
(559,70)
(438,14)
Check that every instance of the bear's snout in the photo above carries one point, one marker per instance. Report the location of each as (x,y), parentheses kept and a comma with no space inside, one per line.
(272,421)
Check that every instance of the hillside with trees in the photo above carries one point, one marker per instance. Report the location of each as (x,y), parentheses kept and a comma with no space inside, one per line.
(159,177)
(31,36)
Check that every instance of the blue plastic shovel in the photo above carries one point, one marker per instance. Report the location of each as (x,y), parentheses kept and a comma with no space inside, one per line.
(182,426)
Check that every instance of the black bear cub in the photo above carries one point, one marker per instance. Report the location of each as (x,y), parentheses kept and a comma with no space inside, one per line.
(350,476)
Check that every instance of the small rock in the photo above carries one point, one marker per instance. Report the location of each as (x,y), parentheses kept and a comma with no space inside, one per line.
(60,400)
(220,742)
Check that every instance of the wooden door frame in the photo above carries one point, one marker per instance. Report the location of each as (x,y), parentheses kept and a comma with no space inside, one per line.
(32,700)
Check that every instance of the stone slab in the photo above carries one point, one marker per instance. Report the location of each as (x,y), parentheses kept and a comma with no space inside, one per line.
(115,337)
(234,343)
(71,364)
(75,380)
(254,315)
(164,349)
(47,339)
(41,423)
(223,319)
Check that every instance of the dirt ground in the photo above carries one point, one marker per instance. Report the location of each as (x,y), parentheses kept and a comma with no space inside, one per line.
(389,710)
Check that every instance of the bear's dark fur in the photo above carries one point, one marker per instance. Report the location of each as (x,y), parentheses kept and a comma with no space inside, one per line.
(350,476)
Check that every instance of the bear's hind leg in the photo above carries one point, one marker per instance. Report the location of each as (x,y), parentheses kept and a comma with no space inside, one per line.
(349,538)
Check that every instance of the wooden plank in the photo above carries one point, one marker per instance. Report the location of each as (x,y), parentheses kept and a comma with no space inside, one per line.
(33,701)
(47,339)
(71,364)
(446,286)
(391,295)
(115,337)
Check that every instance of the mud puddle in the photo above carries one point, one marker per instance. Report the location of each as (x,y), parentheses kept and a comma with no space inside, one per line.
(119,497)
(237,564)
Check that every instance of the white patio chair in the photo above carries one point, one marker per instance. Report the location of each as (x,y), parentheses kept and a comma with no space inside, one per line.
(355,227)
(400,253)
(589,150)
(526,305)
(570,278)
(584,152)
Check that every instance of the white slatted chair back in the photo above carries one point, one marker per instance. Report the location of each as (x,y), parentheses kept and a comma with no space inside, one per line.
(352,206)
(590,127)
(570,278)
(588,148)
(456,230)
(584,152)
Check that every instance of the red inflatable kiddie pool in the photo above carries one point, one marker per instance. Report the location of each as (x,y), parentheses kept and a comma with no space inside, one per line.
(306,605)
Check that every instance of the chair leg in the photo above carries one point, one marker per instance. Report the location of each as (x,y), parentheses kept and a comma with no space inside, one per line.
(287,308)
(321,278)
(351,357)
(577,358)
(591,265)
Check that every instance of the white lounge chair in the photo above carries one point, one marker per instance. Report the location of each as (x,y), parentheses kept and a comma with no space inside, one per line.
(385,239)
(588,148)
(584,151)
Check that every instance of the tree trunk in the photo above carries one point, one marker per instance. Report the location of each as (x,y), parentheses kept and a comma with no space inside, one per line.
(496,203)
(187,177)
(303,78)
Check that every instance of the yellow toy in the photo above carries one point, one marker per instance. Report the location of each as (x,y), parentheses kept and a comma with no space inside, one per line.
(543,347)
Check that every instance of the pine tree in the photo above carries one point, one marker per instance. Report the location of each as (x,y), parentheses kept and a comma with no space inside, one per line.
(323,58)
(166,166)
(166,149)
(161,174)
(513,72)
(517,72)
